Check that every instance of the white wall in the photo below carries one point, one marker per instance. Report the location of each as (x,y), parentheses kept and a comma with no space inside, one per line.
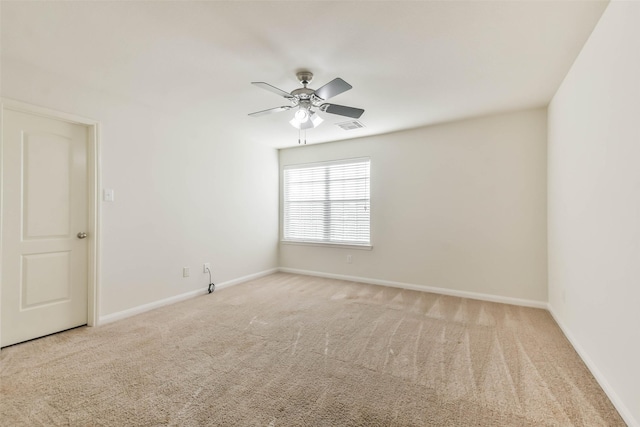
(594,205)
(184,194)
(460,206)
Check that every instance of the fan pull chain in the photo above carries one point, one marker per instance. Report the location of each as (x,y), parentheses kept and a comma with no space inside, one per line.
(298,136)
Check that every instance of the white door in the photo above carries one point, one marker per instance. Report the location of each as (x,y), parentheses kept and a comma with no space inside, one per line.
(44,259)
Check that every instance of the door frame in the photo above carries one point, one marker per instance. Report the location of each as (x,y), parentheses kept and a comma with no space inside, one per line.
(93,202)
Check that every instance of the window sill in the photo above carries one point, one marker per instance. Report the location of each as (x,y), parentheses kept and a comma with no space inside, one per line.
(328,245)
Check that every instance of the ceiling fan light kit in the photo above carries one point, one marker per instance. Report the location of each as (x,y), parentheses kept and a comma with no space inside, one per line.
(305,100)
(305,120)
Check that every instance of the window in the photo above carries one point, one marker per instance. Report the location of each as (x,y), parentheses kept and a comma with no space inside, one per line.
(327,202)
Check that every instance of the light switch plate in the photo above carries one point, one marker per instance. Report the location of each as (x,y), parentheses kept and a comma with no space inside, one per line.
(108,195)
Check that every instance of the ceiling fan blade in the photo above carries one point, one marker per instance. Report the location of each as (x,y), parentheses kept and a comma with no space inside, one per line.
(333,88)
(267,86)
(270,110)
(341,110)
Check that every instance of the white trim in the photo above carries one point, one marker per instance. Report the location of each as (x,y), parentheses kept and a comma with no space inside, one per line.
(177,298)
(93,184)
(1,202)
(150,306)
(12,104)
(94,174)
(624,412)
(326,163)
(423,288)
(328,245)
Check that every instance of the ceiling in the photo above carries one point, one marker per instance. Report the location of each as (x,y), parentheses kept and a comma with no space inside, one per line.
(411,64)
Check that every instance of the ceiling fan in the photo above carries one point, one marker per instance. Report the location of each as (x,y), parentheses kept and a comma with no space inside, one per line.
(305,100)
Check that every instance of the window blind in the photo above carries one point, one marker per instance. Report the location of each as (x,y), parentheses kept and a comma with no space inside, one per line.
(327,202)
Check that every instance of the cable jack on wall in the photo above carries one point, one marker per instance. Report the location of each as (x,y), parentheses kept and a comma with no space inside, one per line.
(212,287)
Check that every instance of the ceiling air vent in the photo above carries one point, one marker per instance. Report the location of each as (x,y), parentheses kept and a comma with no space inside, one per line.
(350,125)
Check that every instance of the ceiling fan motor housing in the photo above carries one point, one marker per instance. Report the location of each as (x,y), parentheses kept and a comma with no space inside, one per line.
(304,77)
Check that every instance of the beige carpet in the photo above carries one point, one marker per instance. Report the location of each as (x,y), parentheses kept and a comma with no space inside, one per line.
(288,350)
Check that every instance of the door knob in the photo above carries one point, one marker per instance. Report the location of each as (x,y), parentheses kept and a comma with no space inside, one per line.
(82,235)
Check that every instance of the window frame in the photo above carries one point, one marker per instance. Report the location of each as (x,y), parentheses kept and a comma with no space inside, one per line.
(327,163)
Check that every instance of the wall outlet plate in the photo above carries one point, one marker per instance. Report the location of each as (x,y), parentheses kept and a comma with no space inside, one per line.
(185,271)
(206,266)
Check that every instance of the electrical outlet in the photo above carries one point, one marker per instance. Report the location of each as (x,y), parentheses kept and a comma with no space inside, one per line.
(206,266)
(185,271)
(349,259)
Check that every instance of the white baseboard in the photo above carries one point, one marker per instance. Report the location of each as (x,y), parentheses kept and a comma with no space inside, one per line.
(624,412)
(414,287)
(171,300)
